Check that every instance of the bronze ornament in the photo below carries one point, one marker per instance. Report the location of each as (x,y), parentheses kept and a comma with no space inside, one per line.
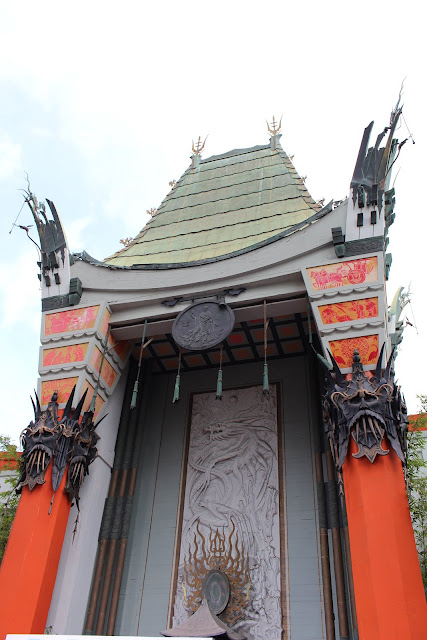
(218,565)
(368,408)
(60,441)
(38,442)
(82,454)
(203,325)
(216,590)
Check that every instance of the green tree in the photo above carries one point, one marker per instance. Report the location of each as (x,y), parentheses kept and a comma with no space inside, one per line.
(9,498)
(417,485)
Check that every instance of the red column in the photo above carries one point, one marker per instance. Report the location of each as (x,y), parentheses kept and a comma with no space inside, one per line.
(388,587)
(30,562)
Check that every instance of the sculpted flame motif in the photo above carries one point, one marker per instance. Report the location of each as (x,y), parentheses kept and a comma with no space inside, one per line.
(227,554)
(367,408)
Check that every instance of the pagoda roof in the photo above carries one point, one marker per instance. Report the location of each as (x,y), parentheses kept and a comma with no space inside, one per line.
(222,206)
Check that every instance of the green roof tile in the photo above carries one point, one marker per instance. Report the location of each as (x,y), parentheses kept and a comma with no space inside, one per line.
(227,203)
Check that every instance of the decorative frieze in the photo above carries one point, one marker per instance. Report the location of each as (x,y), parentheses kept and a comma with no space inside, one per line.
(108,374)
(341,274)
(62,387)
(73,344)
(367,346)
(348,303)
(349,311)
(75,319)
(65,355)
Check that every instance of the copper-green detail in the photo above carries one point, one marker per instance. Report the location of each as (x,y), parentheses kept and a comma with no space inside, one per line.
(227,203)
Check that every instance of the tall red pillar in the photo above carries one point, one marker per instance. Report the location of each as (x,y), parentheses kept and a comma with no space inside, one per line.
(30,562)
(389,593)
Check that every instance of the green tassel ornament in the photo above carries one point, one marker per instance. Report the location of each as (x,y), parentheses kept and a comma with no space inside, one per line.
(265,385)
(134,395)
(177,381)
(136,384)
(176,390)
(219,386)
(218,395)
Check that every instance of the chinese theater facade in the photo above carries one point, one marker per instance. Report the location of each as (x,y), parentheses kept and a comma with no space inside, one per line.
(228,380)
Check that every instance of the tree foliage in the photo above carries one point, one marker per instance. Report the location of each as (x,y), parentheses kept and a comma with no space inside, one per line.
(417,484)
(8,498)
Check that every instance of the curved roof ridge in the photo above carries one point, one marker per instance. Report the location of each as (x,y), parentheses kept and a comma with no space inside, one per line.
(236,152)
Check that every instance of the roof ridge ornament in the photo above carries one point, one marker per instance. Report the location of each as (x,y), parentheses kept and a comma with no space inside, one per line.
(197,150)
(274,130)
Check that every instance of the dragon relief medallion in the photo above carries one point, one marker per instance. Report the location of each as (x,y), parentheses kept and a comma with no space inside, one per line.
(203,325)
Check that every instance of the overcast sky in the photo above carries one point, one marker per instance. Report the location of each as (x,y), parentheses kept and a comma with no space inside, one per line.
(100,102)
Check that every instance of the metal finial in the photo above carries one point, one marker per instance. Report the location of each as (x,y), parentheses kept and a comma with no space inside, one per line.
(199,146)
(274,128)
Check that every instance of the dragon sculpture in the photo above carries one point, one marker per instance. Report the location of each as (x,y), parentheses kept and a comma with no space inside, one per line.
(368,408)
(60,441)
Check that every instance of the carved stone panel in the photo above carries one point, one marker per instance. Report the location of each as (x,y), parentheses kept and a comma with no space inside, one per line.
(203,325)
(230,521)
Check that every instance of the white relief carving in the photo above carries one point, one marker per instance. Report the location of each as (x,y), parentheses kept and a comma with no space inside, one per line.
(232,501)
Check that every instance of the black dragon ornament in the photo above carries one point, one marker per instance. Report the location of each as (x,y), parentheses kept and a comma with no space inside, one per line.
(367,408)
(49,439)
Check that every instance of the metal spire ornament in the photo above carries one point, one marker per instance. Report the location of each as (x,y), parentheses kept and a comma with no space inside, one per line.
(219,379)
(177,380)
(199,146)
(274,128)
(265,384)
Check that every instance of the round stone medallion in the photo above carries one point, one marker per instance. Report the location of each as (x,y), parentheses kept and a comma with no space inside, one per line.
(216,590)
(203,325)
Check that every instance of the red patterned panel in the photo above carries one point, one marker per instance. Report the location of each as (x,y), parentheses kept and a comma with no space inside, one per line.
(294,346)
(62,386)
(74,320)
(170,363)
(342,350)
(107,372)
(98,402)
(271,350)
(214,357)
(195,360)
(237,338)
(342,274)
(122,349)
(104,323)
(258,335)
(64,355)
(288,331)
(243,353)
(163,349)
(349,310)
